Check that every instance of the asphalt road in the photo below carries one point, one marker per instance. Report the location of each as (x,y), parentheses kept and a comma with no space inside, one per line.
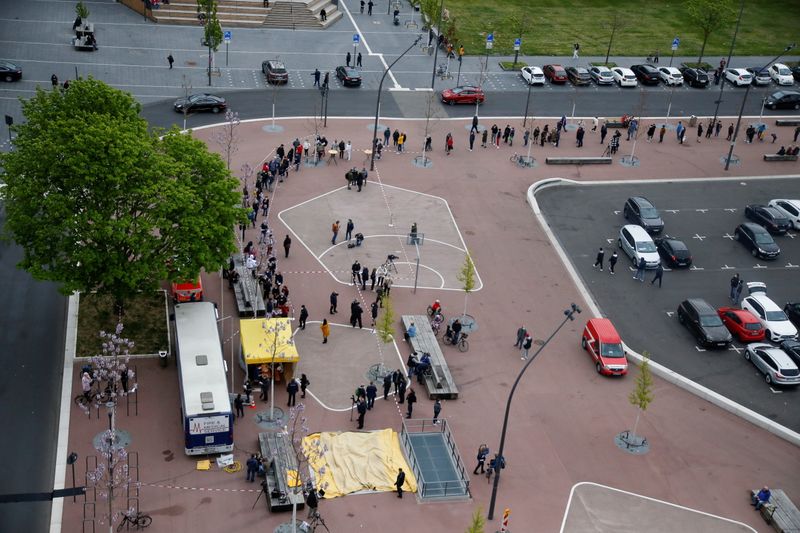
(704,215)
(32,341)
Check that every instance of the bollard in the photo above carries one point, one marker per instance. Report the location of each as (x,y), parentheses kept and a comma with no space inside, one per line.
(504,523)
(162,358)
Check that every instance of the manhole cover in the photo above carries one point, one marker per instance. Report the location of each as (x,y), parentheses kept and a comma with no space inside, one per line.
(122,439)
(377,372)
(635,444)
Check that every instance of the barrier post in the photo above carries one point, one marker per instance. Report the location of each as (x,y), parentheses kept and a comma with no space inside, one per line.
(504,524)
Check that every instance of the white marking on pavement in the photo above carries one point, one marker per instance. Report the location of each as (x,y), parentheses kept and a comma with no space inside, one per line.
(731,209)
(734,348)
(699,237)
(673,211)
(695,267)
(704,211)
(699,349)
(760,266)
(670,313)
(728,236)
(790,265)
(726,267)
(776,391)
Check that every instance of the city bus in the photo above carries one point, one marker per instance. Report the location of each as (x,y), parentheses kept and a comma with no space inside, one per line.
(205,403)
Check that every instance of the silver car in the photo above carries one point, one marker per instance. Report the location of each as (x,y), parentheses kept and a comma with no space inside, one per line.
(774,363)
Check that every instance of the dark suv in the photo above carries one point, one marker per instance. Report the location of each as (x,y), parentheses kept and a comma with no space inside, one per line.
(639,210)
(275,71)
(705,324)
(696,77)
(646,74)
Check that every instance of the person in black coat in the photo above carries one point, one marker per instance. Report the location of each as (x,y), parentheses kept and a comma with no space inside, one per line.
(387,385)
(372,392)
(401,392)
(412,399)
(303,316)
(362,411)
(334,302)
(292,389)
(401,478)
(364,278)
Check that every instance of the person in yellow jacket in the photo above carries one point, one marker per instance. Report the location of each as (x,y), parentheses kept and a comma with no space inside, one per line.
(326,330)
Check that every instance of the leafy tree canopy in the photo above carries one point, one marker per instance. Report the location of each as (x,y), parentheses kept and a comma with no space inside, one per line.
(99,203)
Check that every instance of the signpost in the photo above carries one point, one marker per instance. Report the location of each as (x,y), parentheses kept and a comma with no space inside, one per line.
(517,44)
(226,36)
(675,42)
(356,40)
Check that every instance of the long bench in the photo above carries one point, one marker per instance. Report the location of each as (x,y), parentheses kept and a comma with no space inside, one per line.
(787,122)
(439,382)
(616,124)
(247,290)
(780,512)
(578,160)
(277,450)
(776,157)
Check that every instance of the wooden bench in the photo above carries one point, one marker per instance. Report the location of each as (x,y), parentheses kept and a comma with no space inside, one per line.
(787,122)
(780,512)
(279,454)
(578,160)
(616,124)
(439,382)
(776,157)
(84,29)
(81,43)
(247,291)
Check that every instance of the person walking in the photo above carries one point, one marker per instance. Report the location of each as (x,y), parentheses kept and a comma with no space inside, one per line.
(287,243)
(326,330)
(651,131)
(734,283)
(411,400)
(699,131)
(387,385)
(661,133)
(483,451)
(252,468)
(526,345)
(718,126)
(335,230)
(238,403)
(170,60)
(361,407)
(575,50)
(471,140)
(348,59)
(317,75)
(370,5)
(303,316)
(520,336)
(348,232)
(730,132)
(603,133)
(358,60)
(599,259)
(334,301)
(612,262)
(474,127)
(659,275)
(640,268)
(738,292)
(437,409)
(304,383)
(292,389)
(372,392)
(398,482)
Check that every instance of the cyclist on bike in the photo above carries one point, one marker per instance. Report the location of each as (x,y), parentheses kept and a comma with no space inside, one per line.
(436,308)
(456,329)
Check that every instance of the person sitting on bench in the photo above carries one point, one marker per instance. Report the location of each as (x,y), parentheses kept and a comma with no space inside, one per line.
(233,278)
(91,41)
(782,151)
(423,365)
(761,498)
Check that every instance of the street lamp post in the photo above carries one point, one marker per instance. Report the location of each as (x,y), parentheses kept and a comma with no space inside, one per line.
(527,105)
(569,315)
(436,49)
(378,104)
(744,101)
(722,74)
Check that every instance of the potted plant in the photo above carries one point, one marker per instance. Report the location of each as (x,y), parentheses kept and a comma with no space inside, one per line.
(81,10)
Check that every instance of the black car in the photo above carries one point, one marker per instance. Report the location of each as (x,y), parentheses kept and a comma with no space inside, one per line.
(9,71)
(674,252)
(792,349)
(792,310)
(758,240)
(646,74)
(200,102)
(275,71)
(783,100)
(578,76)
(769,217)
(348,76)
(639,210)
(796,73)
(704,323)
(696,77)
(760,75)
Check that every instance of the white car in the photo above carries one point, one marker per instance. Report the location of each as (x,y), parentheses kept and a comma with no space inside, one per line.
(637,244)
(624,77)
(670,75)
(776,323)
(781,74)
(601,75)
(532,75)
(789,208)
(738,76)
(774,363)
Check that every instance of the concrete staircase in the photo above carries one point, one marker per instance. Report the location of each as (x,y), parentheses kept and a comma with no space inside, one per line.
(306,15)
(285,14)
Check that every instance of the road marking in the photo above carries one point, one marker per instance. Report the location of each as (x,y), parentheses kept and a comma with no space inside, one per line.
(735,348)
(695,267)
(617,212)
(673,211)
(760,266)
(610,241)
(704,211)
(726,267)
(699,349)
(790,235)
(790,265)
(776,391)
(728,236)
(699,237)
(731,209)
(670,313)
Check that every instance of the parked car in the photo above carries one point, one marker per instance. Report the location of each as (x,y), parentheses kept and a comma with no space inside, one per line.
(200,102)
(624,77)
(758,240)
(532,75)
(603,343)
(578,76)
(703,322)
(774,363)
(674,252)
(695,77)
(760,75)
(792,311)
(742,324)
(783,100)
(768,217)
(796,73)
(670,75)
(191,291)
(738,76)
(601,75)
(781,74)
(639,210)
(10,71)
(555,73)
(788,208)
(776,323)
(465,94)
(792,349)
(348,76)
(646,74)
(275,71)
(637,243)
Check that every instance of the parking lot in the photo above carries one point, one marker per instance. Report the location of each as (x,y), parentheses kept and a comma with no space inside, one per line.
(704,214)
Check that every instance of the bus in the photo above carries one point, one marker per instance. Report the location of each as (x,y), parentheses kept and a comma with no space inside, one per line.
(205,403)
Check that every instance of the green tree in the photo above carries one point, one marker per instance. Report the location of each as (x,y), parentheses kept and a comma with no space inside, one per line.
(212,30)
(467,277)
(385,325)
(517,24)
(478,522)
(709,16)
(614,24)
(81,10)
(99,203)
(642,395)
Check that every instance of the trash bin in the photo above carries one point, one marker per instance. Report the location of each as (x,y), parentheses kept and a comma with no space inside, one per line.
(692,121)
(162,358)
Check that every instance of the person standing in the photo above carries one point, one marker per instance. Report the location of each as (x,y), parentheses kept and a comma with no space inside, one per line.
(334,302)
(361,407)
(370,4)
(292,389)
(348,232)
(412,399)
(373,278)
(738,293)
(374,312)
(526,345)
(661,133)
(640,268)
(612,262)
(520,336)
(362,6)
(316,81)
(734,284)
(603,133)
(357,312)
(304,383)
(579,137)
(348,59)
(303,316)
(170,60)
(398,482)
(238,403)
(699,131)
(364,278)
(387,385)
(401,388)
(471,140)
(54,81)
(659,275)
(599,259)
(335,230)
(287,243)
(437,408)
(484,136)
(651,131)
(312,502)
(483,451)
(372,392)
(326,330)
(474,127)
(575,50)
(358,60)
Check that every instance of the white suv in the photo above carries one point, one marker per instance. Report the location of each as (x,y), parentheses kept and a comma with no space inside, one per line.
(637,243)
(777,324)
(789,208)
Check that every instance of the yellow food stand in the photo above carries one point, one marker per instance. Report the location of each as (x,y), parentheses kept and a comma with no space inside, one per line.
(267,346)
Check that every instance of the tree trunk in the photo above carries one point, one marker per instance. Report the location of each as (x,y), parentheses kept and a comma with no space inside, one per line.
(636,423)
(702,49)
(611,40)
(466,294)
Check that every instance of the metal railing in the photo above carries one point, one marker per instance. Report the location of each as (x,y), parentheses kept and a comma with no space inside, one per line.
(434,489)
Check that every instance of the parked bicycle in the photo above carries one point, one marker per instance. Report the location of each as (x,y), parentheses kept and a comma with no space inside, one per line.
(462,343)
(136,519)
(100,396)
(521,160)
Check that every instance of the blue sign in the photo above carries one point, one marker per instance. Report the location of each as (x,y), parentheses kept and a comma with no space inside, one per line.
(490,38)
(356,38)
(226,35)
(517,41)
(676,42)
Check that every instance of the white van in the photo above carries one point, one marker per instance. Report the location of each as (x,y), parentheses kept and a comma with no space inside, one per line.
(637,243)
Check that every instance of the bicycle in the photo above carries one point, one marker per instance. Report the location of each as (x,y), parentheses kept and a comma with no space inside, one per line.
(462,343)
(138,520)
(83,400)
(521,160)
(436,323)
(607,151)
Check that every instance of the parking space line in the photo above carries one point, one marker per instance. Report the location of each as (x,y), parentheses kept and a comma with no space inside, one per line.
(699,237)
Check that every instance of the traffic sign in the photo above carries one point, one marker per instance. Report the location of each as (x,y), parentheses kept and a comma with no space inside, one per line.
(356,38)
(675,43)
(517,43)
(489,41)
(226,35)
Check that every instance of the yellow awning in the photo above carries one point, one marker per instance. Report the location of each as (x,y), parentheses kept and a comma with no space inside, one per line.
(268,340)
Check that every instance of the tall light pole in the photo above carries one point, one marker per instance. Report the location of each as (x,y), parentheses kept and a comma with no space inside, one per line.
(527,104)
(569,315)
(744,101)
(436,49)
(378,104)
(722,76)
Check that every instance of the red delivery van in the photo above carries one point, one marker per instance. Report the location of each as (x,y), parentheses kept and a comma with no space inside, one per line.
(602,342)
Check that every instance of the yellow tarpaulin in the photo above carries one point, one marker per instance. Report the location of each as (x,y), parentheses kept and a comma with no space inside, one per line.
(349,462)
(264,337)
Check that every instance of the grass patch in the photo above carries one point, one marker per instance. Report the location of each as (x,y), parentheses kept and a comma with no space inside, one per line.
(610,64)
(145,322)
(510,65)
(555,25)
(703,65)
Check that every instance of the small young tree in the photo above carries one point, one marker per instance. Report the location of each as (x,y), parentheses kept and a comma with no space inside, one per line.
(478,522)
(212,30)
(642,395)
(517,24)
(615,23)
(709,16)
(81,10)
(467,277)
(385,325)
(227,136)
(431,111)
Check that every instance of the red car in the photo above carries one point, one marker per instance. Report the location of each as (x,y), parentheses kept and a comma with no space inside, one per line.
(602,342)
(742,324)
(466,94)
(555,73)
